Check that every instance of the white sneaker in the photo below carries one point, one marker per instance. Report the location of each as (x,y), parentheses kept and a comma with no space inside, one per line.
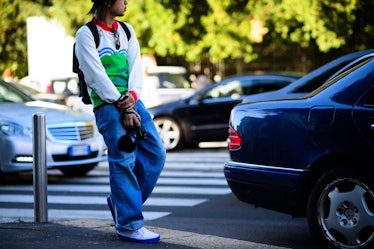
(142,235)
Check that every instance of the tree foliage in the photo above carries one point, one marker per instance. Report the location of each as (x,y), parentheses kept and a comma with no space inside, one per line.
(13,34)
(213,30)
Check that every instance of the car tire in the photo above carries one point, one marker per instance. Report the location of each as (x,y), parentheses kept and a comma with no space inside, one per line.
(80,170)
(170,133)
(340,209)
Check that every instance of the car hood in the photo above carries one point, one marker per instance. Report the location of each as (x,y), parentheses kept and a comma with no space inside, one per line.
(22,113)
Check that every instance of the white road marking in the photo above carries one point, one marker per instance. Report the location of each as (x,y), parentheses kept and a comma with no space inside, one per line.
(94,200)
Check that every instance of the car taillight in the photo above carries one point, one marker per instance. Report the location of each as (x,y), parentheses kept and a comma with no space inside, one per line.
(49,87)
(234,141)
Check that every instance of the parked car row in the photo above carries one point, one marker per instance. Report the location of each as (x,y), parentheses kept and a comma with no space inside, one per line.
(165,84)
(162,84)
(73,144)
(308,151)
(298,145)
(204,115)
(48,97)
(61,86)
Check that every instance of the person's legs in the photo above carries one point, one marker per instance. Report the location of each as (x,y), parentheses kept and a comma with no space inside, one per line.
(150,154)
(125,190)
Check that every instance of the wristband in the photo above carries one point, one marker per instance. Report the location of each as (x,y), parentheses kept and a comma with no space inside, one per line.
(133,93)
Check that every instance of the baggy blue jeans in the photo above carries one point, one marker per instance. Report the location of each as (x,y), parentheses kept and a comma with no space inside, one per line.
(132,175)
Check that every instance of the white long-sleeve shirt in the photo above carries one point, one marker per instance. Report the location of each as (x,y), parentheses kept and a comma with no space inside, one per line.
(109,71)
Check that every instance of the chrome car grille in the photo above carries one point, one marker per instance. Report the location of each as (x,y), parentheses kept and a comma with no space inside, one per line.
(72,131)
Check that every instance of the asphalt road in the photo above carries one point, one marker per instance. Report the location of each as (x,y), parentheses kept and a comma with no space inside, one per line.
(225,217)
(216,219)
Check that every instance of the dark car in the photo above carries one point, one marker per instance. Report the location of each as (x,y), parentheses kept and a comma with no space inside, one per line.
(204,116)
(311,81)
(312,156)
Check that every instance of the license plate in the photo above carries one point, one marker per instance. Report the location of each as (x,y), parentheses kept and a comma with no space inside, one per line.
(79,150)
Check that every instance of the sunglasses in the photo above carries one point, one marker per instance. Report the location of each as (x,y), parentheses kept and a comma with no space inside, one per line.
(116,38)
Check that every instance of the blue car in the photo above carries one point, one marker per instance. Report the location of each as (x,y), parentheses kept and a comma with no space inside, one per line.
(312,156)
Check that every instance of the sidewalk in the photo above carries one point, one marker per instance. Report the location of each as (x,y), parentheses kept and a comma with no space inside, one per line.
(93,234)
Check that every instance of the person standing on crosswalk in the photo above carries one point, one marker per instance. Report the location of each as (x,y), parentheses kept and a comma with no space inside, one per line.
(114,76)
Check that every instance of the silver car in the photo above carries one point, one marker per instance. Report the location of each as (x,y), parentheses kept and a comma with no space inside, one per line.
(73,144)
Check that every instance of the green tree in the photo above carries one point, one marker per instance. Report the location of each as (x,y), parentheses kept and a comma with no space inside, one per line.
(13,33)
(328,24)
(71,13)
(228,29)
(215,32)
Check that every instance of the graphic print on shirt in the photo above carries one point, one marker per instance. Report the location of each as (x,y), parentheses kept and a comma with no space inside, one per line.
(117,69)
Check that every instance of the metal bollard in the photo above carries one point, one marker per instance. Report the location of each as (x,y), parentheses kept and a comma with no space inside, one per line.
(40,169)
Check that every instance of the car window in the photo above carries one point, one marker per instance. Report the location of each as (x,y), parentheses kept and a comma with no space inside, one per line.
(232,89)
(237,88)
(354,64)
(313,83)
(164,80)
(262,85)
(9,93)
(323,77)
(341,75)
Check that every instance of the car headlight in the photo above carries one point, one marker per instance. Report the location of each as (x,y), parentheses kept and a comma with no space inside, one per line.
(13,129)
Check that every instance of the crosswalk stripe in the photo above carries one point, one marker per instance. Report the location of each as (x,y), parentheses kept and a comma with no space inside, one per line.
(106,189)
(192,190)
(200,181)
(161,180)
(199,157)
(58,199)
(189,166)
(195,174)
(190,175)
(98,174)
(27,215)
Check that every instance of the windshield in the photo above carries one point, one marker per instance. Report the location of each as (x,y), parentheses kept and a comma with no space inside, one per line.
(12,94)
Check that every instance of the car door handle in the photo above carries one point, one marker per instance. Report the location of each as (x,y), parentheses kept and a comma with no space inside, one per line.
(372,127)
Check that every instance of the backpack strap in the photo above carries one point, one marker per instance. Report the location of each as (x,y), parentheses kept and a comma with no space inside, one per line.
(75,62)
(126,29)
(94,32)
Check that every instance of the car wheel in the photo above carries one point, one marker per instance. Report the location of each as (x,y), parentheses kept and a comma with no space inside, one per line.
(80,170)
(170,133)
(340,209)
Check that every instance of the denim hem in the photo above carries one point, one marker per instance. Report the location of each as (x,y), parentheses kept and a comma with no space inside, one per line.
(134,225)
